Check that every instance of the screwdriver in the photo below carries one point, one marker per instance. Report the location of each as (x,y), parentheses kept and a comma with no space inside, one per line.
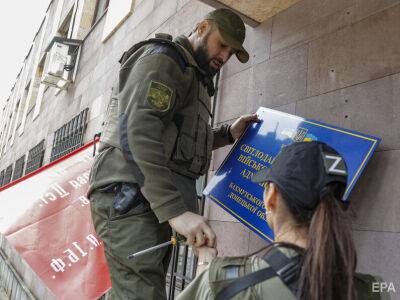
(173,242)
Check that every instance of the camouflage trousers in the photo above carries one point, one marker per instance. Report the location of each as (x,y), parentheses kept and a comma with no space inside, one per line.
(143,277)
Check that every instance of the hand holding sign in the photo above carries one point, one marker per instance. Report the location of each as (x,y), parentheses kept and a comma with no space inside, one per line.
(240,125)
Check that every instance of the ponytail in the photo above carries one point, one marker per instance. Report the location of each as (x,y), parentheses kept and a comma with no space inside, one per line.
(330,258)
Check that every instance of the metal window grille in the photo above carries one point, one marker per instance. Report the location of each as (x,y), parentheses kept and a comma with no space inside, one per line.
(35,158)
(19,168)
(181,270)
(2,177)
(70,136)
(7,176)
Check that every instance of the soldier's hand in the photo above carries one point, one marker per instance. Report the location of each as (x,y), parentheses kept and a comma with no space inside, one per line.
(239,126)
(194,228)
(206,255)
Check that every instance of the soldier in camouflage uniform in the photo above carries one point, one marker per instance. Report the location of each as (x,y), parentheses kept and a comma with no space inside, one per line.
(313,256)
(156,141)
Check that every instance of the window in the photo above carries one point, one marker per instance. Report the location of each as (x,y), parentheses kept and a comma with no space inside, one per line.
(35,158)
(19,168)
(7,122)
(82,17)
(3,139)
(10,119)
(65,25)
(118,11)
(7,176)
(24,97)
(22,94)
(40,87)
(35,88)
(70,136)
(57,11)
(101,7)
(17,113)
(4,126)
(32,100)
(2,177)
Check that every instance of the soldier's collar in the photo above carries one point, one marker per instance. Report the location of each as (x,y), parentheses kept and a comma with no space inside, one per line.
(184,42)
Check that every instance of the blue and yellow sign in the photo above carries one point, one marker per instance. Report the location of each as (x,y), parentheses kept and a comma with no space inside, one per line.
(231,186)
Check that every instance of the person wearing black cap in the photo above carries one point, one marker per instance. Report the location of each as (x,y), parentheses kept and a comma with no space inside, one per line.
(313,255)
(156,141)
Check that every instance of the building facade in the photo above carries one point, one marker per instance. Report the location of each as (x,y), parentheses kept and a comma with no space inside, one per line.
(332,61)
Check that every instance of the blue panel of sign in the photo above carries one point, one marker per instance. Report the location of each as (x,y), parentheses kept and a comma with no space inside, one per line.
(231,186)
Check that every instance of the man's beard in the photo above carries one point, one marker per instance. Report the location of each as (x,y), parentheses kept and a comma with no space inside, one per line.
(202,58)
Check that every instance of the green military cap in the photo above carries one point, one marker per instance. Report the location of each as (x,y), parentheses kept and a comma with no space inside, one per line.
(232,30)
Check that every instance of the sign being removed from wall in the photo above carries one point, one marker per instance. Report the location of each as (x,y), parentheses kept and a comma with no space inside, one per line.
(231,186)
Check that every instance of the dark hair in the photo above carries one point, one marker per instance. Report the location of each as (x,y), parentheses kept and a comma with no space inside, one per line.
(330,258)
(329,261)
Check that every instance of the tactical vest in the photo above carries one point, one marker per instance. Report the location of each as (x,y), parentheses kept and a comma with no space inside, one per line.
(188,139)
(228,278)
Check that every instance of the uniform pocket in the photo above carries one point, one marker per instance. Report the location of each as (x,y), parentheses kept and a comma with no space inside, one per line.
(204,132)
(207,149)
(136,231)
(185,148)
(97,163)
(140,209)
(203,146)
(128,201)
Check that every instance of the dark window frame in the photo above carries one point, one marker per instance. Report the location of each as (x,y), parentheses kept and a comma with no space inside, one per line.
(19,168)
(2,173)
(69,137)
(97,13)
(8,175)
(35,158)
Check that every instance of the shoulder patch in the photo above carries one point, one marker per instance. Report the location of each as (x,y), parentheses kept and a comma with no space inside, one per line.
(159,96)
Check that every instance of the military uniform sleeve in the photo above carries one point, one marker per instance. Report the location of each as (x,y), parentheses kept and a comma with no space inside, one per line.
(222,136)
(149,96)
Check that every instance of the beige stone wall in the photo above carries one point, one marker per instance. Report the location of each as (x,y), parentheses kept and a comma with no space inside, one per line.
(337,62)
